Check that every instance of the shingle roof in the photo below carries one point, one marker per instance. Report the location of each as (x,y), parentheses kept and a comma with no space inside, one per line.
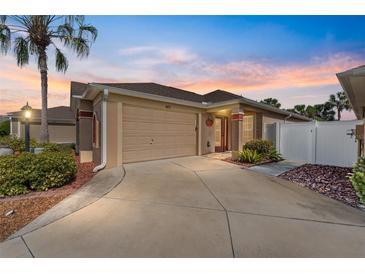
(61,113)
(219,96)
(77,88)
(157,89)
(176,93)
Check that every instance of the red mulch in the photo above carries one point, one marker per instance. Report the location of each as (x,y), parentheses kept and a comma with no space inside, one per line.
(29,206)
(245,165)
(328,180)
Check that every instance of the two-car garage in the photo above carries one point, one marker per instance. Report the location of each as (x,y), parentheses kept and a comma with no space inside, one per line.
(149,134)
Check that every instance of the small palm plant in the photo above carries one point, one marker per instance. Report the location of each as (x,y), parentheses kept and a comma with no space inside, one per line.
(33,35)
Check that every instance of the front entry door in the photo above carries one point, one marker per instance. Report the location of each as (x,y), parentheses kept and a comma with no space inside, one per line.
(221,130)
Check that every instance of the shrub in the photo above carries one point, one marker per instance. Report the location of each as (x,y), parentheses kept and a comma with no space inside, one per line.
(249,156)
(357,179)
(262,147)
(5,128)
(16,144)
(274,155)
(51,147)
(27,171)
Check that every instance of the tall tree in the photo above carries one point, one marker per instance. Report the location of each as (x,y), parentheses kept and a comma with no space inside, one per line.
(298,109)
(272,102)
(32,35)
(340,102)
(321,112)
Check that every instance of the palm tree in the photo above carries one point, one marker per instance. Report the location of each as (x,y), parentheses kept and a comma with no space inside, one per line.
(340,102)
(33,35)
(272,102)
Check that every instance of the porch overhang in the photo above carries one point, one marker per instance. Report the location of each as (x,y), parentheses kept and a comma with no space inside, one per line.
(353,83)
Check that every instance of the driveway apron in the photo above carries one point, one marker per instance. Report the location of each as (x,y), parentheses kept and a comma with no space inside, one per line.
(200,207)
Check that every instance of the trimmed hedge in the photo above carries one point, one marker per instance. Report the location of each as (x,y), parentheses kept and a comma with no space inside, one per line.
(25,172)
(357,179)
(17,144)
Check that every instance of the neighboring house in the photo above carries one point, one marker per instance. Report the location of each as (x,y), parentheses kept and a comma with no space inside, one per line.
(129,122)
(61,124)
(3,118)
(353,83)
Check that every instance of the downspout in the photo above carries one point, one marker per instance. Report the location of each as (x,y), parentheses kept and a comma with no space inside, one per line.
(103,132)
(287,117)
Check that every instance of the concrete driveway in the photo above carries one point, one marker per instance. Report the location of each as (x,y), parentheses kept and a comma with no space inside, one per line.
(200,207)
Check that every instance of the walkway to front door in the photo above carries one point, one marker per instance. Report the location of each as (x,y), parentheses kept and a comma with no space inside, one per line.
(219,155)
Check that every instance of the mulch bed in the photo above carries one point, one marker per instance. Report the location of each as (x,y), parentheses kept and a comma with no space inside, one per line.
(29,206)
(245,165)
(328,180)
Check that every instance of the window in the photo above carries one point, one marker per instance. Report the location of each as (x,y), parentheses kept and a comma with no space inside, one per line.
(248,128)
(96,132)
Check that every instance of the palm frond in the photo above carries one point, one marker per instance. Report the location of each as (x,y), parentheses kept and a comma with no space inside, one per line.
(61,61)
(5,38)
(65,29)
(3,19)
(71,19)
(80,46)
(24,20)
(88,29)
(33,50)
(65,33)
(21,51)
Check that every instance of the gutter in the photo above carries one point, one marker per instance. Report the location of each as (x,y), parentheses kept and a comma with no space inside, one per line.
(103,132)
(287,117)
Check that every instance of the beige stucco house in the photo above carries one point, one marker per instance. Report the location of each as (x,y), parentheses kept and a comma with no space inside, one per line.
(129,122)
(61,124)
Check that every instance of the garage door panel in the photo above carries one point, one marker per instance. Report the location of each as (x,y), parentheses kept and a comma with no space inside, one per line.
(149,134)
(130,142)
(155,128)
(146,154)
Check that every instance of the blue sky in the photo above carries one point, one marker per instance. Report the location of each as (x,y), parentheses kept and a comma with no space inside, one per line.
(292,58)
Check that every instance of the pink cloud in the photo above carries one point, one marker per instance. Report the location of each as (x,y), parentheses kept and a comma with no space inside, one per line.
(258,76)
(173,66)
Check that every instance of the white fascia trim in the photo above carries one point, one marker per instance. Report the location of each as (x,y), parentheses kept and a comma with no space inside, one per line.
(159,98)
(104,133)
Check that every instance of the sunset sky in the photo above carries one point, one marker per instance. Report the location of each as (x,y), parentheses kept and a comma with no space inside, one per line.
(291,58)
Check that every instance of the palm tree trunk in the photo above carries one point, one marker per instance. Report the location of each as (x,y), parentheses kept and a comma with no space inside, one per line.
(338,115)
(44,135)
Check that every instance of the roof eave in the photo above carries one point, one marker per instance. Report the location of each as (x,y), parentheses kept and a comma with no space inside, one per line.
(93,90)
(344,80)
(133,93)
(273,109)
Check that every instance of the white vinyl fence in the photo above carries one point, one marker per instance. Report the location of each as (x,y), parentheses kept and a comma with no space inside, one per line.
(328,143)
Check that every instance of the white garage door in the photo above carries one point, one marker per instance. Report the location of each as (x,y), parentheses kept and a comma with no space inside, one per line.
(149,134)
